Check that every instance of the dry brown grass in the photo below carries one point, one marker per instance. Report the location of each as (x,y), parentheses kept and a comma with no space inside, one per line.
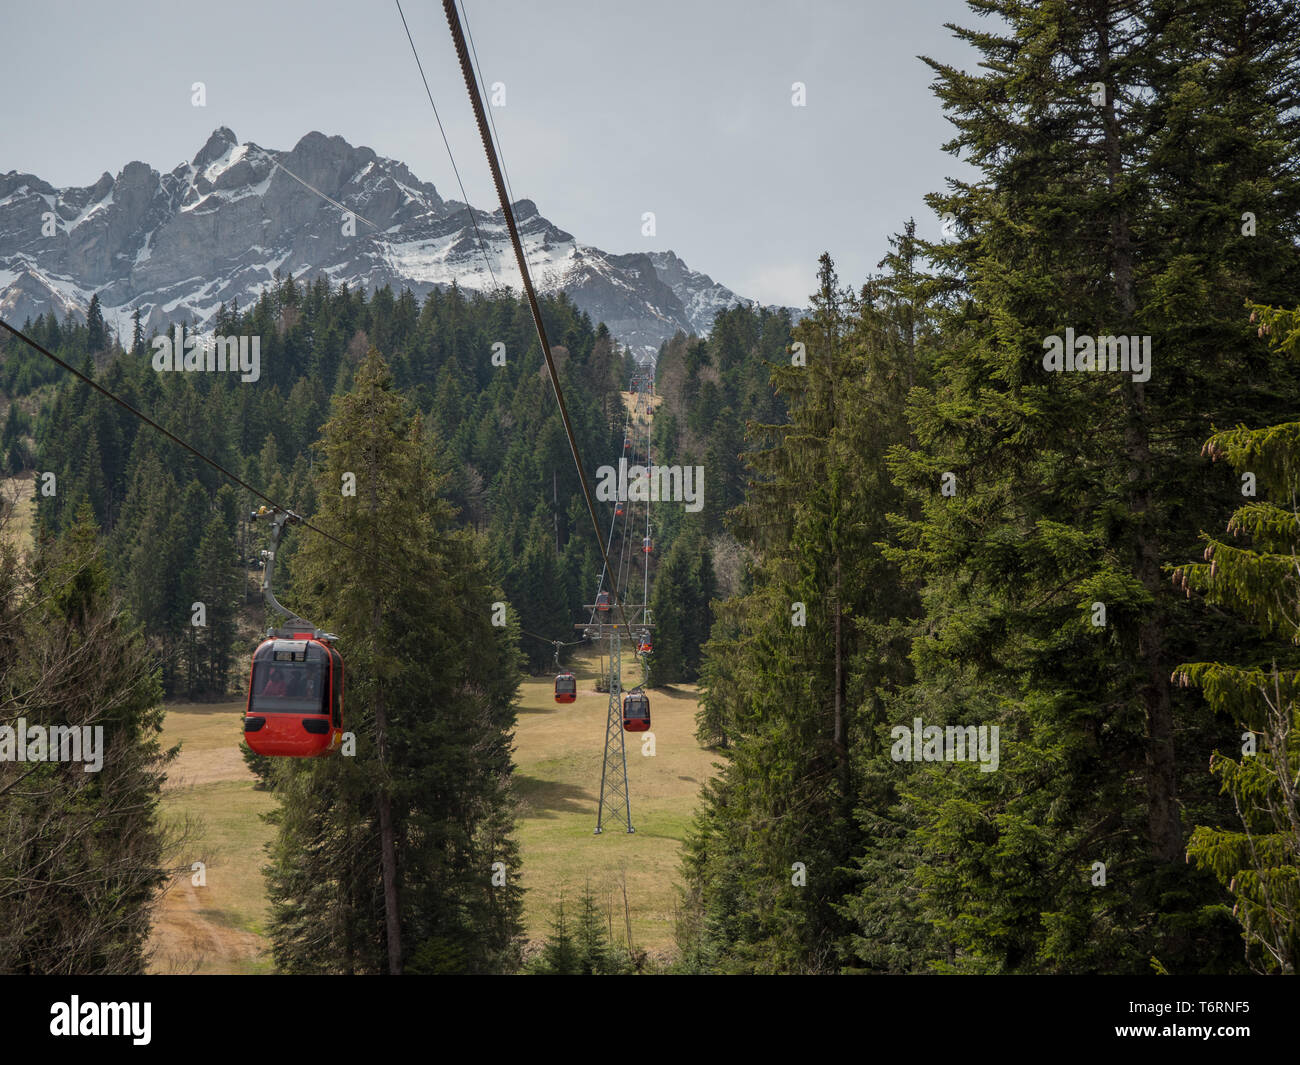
(217,928)
(18,502)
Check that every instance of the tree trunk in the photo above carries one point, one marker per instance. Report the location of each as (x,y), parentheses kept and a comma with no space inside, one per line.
(1163,824)
(387,845)
(388,848)
(841,750)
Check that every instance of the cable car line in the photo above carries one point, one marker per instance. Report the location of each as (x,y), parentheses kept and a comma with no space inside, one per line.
(625,549)
(571,643)
(648,544)
(476,101)
(620,577)
(635,706)
(341,207)
(455,169)
(189,447)
(600,583)
(505,170)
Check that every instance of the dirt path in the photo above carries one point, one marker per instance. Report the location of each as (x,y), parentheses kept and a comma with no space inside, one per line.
(18,511)
(207,928)
(186,939)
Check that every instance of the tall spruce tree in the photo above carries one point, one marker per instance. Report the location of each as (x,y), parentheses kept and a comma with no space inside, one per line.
(217,587)
(96,329)
(385,861)
(768,858)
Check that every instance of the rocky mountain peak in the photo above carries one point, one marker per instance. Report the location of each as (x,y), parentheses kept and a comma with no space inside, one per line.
(216,230)
(221,141)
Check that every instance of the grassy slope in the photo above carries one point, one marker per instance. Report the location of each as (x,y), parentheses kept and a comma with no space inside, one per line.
(18,510)
(220,928)
(217,928)
(558,754)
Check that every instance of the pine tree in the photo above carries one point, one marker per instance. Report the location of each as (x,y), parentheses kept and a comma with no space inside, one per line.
(137,333)
(584,952)
(1044,496)
(704,588)
(1258,863)
(393,850)
(217,588)
(12,427)
(671,610)
(592,939)
(681,606)
(96,330)
(560,954)
(776,830)
(12,443)
(84,852)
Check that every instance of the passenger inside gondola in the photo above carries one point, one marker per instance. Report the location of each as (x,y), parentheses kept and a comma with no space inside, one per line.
(275,685)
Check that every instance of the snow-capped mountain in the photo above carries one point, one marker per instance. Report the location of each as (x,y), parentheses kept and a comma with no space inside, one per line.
(217,228)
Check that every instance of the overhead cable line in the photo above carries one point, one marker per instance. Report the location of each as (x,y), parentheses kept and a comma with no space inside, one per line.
(341,207)
(299,520)
(471,86)
(505,170)
(455,169)
(600,584)
(553,643)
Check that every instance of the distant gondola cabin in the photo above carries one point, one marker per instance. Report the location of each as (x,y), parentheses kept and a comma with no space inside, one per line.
(602,601)
(648,546)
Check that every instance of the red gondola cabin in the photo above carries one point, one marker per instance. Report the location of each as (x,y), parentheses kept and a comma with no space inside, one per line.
(566,688)
(602,601)
(648,546)
(295,698)
(636,711)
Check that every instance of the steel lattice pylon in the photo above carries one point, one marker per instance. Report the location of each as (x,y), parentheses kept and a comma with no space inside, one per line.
(613,773)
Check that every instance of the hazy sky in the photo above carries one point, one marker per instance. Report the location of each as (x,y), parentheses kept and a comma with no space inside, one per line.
(612,109)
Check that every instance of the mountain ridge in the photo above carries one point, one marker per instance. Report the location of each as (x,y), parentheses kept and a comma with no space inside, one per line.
(217,229)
